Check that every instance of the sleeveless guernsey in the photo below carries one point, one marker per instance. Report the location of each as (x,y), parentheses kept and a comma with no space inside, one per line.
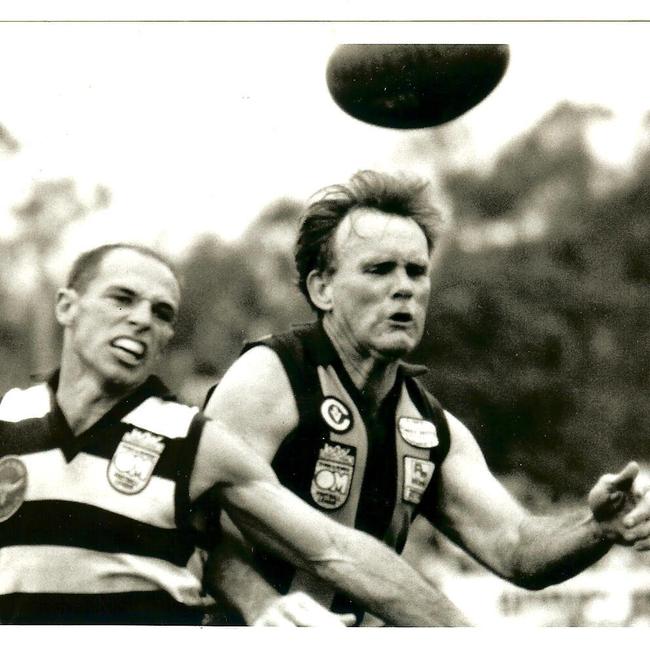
(374,471)
(95,528)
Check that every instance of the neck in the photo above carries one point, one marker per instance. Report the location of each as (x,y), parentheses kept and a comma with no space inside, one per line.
(372,374)
(83,399)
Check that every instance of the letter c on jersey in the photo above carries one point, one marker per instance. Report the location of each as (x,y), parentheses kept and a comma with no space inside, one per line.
(337,415)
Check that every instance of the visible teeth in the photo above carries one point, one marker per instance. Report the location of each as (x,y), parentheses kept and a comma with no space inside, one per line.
(129,345)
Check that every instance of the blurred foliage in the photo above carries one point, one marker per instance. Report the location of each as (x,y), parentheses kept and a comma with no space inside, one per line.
(541,347)
(234,293)
(8,144)
(29,335)
(538,330)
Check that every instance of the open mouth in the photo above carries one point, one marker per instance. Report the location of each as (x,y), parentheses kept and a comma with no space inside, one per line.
(401,317)
(131,351)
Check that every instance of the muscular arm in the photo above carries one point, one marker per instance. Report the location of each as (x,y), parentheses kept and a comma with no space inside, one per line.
(254,401)
(531,551)
(229,572)
(271,516)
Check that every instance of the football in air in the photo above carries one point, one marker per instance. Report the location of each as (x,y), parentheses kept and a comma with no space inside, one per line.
(413,86)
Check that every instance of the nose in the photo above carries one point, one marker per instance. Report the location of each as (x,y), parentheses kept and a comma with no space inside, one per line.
(403,287)
(140,314)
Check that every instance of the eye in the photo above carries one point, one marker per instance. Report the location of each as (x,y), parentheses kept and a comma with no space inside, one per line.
(121,298)
(164,312)
(416,270)
(382,268)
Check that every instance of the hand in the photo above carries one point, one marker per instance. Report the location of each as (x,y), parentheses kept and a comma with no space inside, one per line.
(620,504)
(300,610)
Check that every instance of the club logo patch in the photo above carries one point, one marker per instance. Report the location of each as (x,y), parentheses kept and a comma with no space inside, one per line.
(417,476)
(134,461)
(330,485)
(337,415)
(13,485)
(419,433)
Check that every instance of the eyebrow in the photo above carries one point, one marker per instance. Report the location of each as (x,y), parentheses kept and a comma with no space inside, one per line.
(118,287)
(131,292)
(374,258)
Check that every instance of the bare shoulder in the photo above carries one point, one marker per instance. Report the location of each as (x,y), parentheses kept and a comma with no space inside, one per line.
(472,502)
(225,460)
(461,438)
(254,400)
(464,468)
(250,412)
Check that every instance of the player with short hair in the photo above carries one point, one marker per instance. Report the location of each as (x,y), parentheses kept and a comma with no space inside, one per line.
(350,429)
(108,486)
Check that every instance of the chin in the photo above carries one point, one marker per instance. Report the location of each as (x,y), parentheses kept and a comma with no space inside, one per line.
(122,381)
(396,349)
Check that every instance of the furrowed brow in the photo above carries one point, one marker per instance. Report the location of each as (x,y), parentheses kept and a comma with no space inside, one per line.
(120,289)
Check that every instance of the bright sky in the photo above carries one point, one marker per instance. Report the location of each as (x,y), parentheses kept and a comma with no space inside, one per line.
(196,127)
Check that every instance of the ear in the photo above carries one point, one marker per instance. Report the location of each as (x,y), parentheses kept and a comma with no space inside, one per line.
(319,286)
(66,306)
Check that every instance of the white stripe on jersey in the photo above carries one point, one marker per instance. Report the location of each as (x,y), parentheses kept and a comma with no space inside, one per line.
(38,569)
(84,480)
(169,419)
(19,404)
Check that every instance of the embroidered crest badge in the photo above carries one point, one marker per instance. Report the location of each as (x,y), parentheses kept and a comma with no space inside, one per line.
(337,415)
(417,476)
(134,461)
(13,485)
(419,433)
(330,485)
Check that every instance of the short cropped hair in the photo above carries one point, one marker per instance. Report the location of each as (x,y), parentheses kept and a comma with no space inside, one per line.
(85,267)
(402,195)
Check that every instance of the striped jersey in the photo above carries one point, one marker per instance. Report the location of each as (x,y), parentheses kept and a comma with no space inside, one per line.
(95,528)
(368,469)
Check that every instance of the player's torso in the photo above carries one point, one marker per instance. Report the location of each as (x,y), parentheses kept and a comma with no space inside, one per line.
(364,468)
(91,524)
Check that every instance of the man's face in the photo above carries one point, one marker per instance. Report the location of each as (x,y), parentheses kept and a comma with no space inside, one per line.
(380,284)
(118,326)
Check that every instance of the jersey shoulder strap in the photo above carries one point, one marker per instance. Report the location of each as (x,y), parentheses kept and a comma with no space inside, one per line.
(295,351)
(163,417)
(433,411)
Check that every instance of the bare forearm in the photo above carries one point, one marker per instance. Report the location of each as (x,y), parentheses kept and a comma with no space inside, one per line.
(229,574)
(351,561)
(554,549)
(388,586)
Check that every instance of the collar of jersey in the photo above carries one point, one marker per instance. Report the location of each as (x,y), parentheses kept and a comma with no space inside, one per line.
(71,444)
(324,353)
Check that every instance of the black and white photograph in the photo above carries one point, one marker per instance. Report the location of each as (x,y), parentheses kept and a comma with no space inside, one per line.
(325,323)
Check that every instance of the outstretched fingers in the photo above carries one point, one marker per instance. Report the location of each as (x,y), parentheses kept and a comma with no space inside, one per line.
(624,480)
(637,520)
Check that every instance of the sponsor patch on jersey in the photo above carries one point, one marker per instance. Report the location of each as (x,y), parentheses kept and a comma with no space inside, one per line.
(13,485)
(417,476)
(419,433)
(134,461)
(337,415)
(330,485)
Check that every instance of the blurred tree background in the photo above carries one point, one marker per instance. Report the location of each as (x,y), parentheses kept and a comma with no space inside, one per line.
(538,330)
